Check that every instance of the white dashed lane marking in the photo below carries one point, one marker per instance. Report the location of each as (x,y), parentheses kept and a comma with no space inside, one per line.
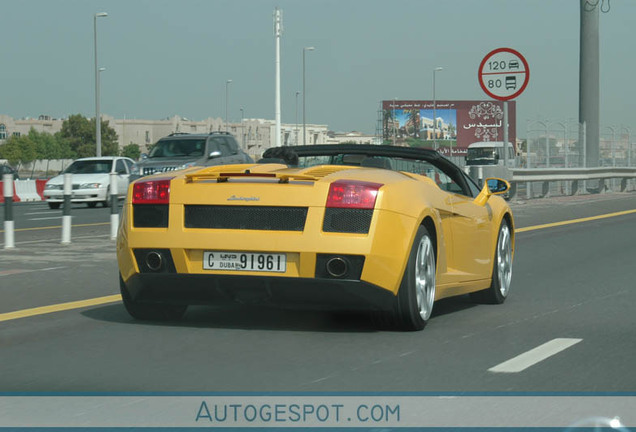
(534,356)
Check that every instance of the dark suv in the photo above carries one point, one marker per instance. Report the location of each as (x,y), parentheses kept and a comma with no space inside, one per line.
(183,150)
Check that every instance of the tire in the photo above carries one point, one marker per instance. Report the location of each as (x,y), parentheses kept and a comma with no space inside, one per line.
(54,205)
(416,296)
(91,204)
(501,271)
(149,311)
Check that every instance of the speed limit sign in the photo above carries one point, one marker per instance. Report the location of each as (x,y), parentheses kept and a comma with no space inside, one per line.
(504,74)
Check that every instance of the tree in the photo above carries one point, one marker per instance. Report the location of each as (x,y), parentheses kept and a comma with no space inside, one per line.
(387,126)
(11,150)
(46,145)
(131,150)
(79,133)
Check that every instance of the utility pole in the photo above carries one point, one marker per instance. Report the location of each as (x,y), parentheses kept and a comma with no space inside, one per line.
(278,31)
(305,49)
(589,89)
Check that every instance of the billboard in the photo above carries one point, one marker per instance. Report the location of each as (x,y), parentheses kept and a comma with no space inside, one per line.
(449,126)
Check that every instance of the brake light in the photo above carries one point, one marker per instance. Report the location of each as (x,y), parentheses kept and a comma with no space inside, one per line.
(353,194)
(151,192)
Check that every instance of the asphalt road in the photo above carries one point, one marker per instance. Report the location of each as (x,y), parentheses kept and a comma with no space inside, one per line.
(573,288)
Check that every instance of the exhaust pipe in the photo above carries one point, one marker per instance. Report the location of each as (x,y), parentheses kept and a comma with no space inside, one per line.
(154,261)
(337,267)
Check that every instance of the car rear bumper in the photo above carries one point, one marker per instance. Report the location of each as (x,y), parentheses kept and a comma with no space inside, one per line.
(302,293)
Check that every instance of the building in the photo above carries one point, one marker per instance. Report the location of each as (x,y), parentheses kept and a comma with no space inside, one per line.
(352,137)
(254,135)
(10,126)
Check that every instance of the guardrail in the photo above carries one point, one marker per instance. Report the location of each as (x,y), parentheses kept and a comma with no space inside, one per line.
(574,175)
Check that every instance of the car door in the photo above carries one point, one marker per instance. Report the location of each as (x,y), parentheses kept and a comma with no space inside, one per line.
(470,225)
(122,177)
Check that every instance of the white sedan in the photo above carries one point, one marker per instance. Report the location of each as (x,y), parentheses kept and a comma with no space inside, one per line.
(91,181)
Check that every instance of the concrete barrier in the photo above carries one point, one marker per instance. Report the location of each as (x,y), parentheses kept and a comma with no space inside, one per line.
(39,187)
(26,190)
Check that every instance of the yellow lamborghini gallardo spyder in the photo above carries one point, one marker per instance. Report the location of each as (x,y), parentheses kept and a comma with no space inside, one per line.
(339,227)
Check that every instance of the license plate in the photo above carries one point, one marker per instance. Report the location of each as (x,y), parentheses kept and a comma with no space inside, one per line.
(244,261)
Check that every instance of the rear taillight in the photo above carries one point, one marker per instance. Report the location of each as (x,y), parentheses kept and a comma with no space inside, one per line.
(352,194)
(151,192)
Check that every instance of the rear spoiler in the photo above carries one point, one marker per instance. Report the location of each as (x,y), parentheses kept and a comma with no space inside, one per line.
(221,177)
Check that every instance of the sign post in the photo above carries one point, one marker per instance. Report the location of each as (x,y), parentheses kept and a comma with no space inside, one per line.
(504,75)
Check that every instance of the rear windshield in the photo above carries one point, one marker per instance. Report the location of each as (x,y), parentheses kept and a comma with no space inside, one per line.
(177,148)
(89,167)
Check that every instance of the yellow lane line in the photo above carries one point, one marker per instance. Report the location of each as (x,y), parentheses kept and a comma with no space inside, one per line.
(574,221)
(59,226)
(59,307)
(116,298)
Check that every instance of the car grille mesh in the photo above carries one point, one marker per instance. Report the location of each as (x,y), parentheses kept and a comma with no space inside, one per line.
(150,215)
(346,220)
(246,217)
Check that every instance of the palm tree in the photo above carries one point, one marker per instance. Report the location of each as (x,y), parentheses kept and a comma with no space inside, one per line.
(414,120)
(387,116)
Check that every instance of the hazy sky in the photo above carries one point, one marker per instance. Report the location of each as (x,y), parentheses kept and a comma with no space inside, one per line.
(167,57)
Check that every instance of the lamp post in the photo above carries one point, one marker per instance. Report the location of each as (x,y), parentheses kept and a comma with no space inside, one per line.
(629,146)
(97,97)
(394,120)
(565,143)
(305,49)
(296,128)
(434,109)
(613,146)
(547,143)
(227,92)
(242,128)
(98,125)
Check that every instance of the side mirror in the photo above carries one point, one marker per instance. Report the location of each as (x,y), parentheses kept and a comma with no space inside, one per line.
(492,186)
(214,154)
(497,186)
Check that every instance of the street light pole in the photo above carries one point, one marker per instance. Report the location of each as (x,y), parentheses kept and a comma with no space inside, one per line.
(434,109)
(242,129)
(296,128)
(394,120)
(98,124)
(305,49)
(565,142)
(227,92)
(613,144)
(629,146)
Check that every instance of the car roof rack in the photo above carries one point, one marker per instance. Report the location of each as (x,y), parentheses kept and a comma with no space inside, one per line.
(220,133)
(179,133)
